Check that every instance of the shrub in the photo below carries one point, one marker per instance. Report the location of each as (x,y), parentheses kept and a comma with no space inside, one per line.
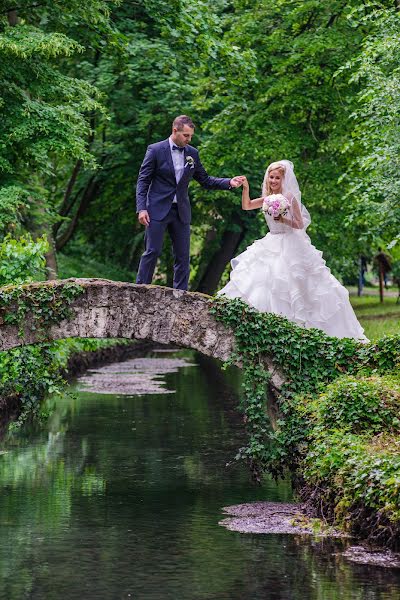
(22,260)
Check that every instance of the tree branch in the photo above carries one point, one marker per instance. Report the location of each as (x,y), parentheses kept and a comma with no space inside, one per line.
(89,193)
(68,204)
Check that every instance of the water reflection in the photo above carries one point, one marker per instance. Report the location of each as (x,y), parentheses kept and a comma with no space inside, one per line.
(119,497)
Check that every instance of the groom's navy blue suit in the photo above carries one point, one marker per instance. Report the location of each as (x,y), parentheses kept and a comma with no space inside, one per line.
(156,189)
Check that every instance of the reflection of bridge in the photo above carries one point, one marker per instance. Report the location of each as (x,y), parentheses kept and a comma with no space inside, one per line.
(109,309)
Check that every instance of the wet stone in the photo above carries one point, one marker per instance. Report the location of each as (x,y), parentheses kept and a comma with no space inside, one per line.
(372,556)
(274,517)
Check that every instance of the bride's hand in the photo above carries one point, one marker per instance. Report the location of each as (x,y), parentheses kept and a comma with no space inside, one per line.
(237,181)
(245,183)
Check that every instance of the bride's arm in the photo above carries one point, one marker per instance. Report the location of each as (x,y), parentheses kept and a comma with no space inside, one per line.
(296,219)
(248,204)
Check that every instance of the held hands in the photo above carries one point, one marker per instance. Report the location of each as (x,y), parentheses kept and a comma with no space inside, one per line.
(144,218)
(237,181)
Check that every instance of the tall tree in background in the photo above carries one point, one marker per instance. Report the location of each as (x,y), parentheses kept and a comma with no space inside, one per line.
(373,145)
(44,111)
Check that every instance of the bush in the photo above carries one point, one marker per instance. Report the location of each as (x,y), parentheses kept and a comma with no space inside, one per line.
(359,405)
(22,260)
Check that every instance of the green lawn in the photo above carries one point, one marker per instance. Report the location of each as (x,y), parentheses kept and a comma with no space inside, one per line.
(377,318)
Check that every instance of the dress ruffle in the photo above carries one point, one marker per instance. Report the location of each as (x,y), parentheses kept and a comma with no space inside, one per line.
(285,274)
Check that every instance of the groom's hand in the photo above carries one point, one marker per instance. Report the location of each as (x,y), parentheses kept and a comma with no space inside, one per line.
(237,181)
(144,218)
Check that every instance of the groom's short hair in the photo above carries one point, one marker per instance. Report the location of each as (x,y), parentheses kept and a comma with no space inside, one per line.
(181,121)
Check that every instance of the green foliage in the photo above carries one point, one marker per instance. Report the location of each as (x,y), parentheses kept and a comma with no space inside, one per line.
(45,109)
(30,373)
(356,462)
(22,260)
(42,109)
(359,406)
(45,305)
(14,201)
(307,358)
(373,146)
(382,356)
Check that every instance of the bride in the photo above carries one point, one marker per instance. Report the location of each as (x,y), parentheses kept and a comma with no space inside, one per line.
(283,272)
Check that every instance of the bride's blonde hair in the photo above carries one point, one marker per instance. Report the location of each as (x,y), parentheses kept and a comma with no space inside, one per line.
(275,166)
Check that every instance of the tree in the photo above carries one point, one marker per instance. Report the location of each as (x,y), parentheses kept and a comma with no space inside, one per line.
(44,111)
(374,145)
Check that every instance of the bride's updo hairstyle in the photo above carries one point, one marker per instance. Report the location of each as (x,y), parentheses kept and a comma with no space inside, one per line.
(275,166)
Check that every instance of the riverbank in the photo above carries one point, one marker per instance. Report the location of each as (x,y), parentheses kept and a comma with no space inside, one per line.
(345,454)
(338,430)
(28,374)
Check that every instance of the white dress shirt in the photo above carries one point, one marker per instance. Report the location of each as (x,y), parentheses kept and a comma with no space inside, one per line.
(178,159)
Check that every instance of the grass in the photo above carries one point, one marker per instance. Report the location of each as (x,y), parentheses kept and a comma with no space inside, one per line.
(377,319)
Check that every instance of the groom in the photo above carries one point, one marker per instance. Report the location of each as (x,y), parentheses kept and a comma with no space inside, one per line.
(162,198)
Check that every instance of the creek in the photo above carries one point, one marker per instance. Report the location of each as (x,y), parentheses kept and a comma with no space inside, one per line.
(119,493)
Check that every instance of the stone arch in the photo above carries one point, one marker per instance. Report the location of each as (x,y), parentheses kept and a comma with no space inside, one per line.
(110,309)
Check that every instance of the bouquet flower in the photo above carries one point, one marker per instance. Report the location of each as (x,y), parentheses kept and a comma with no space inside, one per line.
(275,205)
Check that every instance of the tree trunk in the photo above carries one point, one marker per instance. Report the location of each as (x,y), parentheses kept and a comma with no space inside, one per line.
(381,278)
(135,251)
(51,259)
(216,266)
(90,192)
(12,16)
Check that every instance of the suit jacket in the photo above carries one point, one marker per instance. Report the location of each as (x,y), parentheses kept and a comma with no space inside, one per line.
(156,184)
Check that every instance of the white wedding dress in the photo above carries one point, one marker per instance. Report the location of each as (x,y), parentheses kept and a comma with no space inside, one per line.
(284,273)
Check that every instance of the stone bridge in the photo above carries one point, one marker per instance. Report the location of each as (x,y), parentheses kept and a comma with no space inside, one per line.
(109,309)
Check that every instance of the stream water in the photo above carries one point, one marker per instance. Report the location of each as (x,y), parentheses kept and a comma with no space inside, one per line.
(118,496)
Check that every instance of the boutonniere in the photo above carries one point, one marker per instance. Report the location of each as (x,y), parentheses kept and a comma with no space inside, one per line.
(189,162)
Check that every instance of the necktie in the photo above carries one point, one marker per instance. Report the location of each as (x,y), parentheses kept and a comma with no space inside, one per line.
(178,148)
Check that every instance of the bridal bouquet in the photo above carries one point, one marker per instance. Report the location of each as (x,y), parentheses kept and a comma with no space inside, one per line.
(275,205)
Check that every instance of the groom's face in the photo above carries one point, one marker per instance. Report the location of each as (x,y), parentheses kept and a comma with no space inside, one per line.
(182,137)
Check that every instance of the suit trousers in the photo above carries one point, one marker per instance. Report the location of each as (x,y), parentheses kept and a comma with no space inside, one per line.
(179,233)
